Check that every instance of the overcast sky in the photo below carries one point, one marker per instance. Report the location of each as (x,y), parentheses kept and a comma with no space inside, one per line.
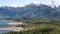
(15,3)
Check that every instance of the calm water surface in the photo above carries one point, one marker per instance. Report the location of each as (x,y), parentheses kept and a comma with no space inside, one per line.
(3,24)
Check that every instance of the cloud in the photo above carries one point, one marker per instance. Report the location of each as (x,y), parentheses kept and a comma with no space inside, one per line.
(36,2)
(14,5)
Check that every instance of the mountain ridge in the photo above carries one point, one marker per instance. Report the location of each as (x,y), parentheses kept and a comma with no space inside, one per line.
(30,11)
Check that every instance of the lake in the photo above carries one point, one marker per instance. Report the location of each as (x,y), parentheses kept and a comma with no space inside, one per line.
(3,24)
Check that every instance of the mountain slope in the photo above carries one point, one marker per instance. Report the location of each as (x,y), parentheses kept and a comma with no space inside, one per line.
(30,11)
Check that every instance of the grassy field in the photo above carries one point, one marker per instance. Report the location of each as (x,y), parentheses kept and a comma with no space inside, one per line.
(41,26)
(40,29)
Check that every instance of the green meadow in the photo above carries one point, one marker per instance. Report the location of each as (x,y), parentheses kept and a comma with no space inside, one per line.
(41,26)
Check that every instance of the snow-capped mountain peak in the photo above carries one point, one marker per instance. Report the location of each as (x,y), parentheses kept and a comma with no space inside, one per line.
(46,3)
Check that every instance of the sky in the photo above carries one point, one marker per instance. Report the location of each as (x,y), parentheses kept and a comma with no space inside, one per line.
(21,3)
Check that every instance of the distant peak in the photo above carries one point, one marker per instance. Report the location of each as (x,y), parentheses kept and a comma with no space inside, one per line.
(45,3)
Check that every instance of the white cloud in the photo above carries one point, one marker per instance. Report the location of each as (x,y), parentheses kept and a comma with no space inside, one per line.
(36,2)
(14,5)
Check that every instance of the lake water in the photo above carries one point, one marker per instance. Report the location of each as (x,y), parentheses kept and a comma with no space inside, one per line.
(3,24)
(4,31)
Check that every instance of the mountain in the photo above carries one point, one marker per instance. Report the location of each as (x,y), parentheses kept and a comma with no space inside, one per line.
(30,11)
